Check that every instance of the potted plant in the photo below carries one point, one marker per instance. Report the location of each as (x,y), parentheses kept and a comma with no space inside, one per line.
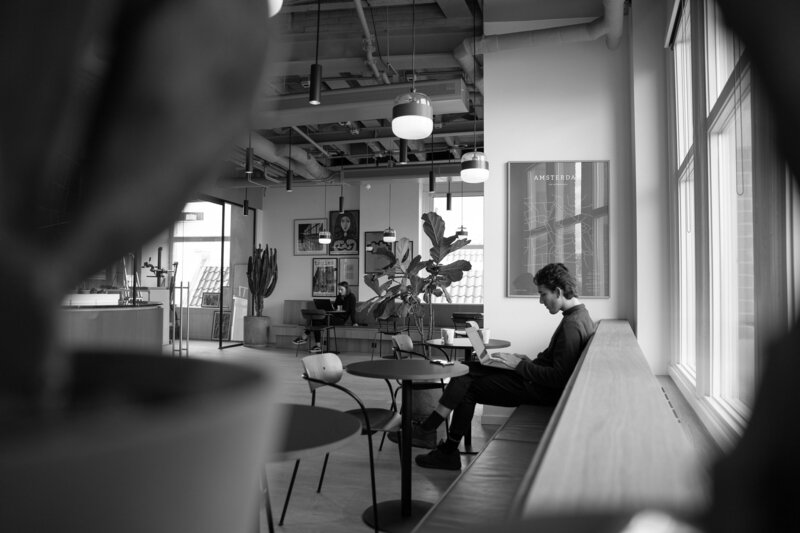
(111,117)
(262,276)
(408,285)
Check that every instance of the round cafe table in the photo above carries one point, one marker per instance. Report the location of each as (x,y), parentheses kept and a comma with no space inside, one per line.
(400,516)
(463,343)
(309,431)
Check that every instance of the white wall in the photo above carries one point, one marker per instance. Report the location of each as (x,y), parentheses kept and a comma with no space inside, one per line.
(565,102)
(648,20)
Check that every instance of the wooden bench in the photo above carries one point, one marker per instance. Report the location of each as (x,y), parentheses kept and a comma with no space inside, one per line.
(612,441)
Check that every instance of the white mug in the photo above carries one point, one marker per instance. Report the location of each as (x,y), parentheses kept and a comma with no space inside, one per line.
(484,334)
(448,334)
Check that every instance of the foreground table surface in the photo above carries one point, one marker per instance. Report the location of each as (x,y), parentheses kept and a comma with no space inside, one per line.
(400,516)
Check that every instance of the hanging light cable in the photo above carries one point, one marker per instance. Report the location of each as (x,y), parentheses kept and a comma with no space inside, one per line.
(412,114)
(289,173)
(248,169)
(315,85)
(462,232)
(341,190)
(474,164)
(325,235)
(390,235)
(449,196)
(431,174)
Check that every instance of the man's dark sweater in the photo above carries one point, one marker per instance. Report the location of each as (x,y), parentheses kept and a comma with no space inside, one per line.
(551,369)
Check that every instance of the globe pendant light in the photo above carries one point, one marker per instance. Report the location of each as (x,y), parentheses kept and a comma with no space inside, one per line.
(412,114)
(389,234)
(474,164)
(315,76)
(325,235)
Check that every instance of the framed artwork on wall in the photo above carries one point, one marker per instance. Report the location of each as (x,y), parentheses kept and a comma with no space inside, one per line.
(306,236)
(558,212)
(373,262)
(209,299)
(344,233)
(348,270)
(323,277)
(224,324)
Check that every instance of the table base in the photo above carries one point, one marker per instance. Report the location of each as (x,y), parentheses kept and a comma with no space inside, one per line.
(391,519)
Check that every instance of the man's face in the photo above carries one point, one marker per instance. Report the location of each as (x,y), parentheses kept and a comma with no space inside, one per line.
(552,300)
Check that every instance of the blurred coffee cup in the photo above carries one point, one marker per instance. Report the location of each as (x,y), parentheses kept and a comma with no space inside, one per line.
(484,334)
(448,334)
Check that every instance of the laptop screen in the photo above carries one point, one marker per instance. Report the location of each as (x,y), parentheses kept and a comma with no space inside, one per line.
(323,304)
(476,341)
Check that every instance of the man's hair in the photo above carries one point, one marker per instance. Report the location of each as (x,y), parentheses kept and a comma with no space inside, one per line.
(556,275)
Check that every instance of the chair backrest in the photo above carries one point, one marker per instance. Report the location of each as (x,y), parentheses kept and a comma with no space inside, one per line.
(403,342)
(325,367)
(391,325)
(472,324)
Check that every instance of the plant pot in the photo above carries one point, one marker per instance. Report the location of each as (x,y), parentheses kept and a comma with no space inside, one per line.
(145,443)
(256,330)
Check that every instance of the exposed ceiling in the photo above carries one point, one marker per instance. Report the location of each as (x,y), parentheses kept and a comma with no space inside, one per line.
(365,49)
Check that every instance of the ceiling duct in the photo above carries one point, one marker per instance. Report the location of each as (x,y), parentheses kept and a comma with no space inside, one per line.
(609,25)
(361,103)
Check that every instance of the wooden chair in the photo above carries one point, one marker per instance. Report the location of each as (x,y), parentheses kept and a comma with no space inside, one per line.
(388,327)
(326,369)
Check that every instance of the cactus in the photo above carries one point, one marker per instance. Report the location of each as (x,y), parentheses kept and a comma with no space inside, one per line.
(262,275)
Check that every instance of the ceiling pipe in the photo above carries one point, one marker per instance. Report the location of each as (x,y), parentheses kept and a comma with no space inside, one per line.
(609,25)
(311,141)
(369,45)
(302,163)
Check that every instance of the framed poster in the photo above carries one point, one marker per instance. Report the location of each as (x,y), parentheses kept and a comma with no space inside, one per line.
(210,299)
(373,262)
(323,277)
(306,236)
(348,270)
(344,233)
(224,323)
(558,213)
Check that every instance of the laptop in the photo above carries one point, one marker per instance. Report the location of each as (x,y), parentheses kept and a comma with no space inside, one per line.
(323,304)
(480,349)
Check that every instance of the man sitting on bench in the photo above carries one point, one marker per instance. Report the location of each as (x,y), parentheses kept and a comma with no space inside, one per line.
(523,381)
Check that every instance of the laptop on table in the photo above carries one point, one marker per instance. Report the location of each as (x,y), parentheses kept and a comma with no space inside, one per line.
(484,357)
(323,304)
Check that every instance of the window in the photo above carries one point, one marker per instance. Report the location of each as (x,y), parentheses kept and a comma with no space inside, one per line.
(722,52)
(686,271)
(682,52)
(466,211)
(732,258)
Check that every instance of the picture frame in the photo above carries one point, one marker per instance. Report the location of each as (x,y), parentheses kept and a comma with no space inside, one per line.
(223,324)
(558,212)
(348,270)
(344,233)
(209,299)
(373,262)
(306,236)
(324,277)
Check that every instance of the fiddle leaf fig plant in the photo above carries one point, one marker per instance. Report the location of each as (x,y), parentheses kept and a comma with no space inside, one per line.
(407,285)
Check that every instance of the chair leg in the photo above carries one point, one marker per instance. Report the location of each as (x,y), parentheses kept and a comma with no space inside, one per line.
(372,480)
(383,438)
(267,504)
(289,493)
(322,474)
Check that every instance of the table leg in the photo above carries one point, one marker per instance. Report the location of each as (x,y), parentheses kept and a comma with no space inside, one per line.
(405,458)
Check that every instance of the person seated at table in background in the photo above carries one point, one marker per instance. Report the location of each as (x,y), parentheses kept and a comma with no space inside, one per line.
(345,306)
(539,381)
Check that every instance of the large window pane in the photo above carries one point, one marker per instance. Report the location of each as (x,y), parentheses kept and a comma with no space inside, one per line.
(682,48)
(722,51)
(686,274)
(466,211)
(732,258)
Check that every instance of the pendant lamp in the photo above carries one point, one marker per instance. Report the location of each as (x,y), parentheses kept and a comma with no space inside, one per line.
(341,191)
(315,77)
(325,235)
(431,174)
(474,164)
(248,157)
(389,234)
(412,114)
(246,205)
(449,196)
(273,7)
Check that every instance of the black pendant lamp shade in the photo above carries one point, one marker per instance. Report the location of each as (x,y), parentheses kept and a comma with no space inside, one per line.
(315,77)
(403,151)
(289,173)
(245,205)
(431,174)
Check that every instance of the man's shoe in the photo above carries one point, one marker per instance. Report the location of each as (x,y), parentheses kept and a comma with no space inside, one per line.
(419,437)
(315,349)
(440,459)
(300,340)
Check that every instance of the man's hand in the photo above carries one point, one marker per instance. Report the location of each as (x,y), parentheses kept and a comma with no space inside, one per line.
(511,360)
